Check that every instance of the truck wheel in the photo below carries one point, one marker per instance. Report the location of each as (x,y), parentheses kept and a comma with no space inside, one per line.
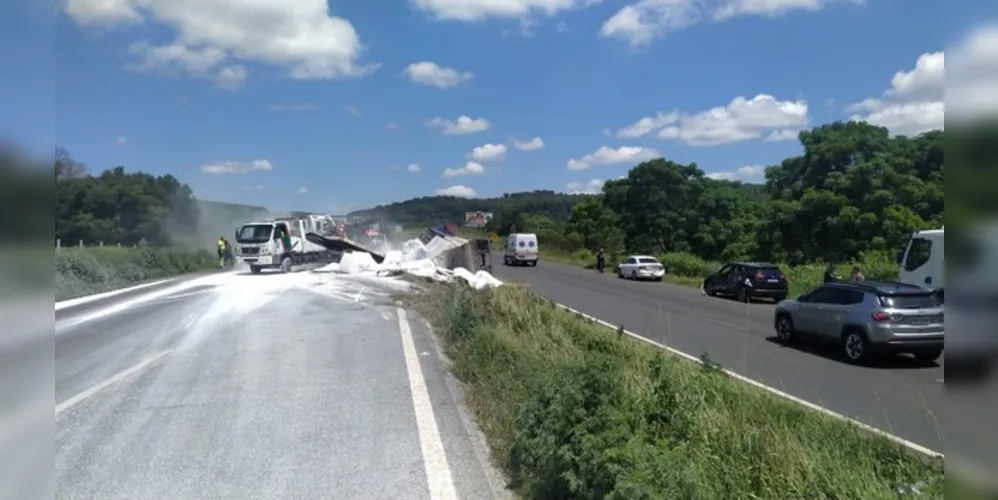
(286,265)
(255,269)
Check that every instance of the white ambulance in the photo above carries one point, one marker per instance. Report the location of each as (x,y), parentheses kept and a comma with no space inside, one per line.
(521,249)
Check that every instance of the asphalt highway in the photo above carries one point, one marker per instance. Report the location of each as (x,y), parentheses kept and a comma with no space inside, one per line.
(234,386)
(898,395)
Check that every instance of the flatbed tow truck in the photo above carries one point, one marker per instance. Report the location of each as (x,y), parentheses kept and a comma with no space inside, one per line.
(287,242)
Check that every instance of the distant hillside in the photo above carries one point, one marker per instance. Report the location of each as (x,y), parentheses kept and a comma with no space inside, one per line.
(430,210)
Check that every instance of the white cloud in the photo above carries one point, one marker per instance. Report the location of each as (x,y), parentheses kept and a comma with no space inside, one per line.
(430,73)
(755,174)
(594,186)
(413,167)
(237,167)
(180,59)
(303,190)
(531,145)
(258,187)
(477,10)
(459,191)
(353,111)
(609,156)
(761,117)
(121,141)
(973,75)
(488,152)
(215,40)
(916,101)
(463,125)
(644,21)
(647,125)
(470,168)
(391,126)
(305,106)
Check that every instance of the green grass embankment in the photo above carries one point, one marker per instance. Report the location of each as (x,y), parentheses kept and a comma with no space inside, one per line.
(85,271)
(689,270)
(574,410)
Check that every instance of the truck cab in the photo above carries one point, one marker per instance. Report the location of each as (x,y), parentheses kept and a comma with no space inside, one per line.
(261,245)
(922,262)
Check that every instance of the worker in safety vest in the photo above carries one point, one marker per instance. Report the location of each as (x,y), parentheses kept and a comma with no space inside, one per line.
(221,251)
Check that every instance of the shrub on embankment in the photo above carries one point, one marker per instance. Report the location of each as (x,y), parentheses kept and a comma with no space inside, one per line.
(85,271)
(688,269)
(574,410)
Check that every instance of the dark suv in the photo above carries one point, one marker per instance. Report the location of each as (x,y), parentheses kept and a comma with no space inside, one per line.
(748,280)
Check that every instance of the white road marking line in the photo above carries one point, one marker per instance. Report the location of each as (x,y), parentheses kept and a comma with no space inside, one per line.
(90,298)
(65,405)
(438,474)
(188,294)
(772,390)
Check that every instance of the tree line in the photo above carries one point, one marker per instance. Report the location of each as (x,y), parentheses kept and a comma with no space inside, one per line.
(134,208)
(432,210)
(854,189)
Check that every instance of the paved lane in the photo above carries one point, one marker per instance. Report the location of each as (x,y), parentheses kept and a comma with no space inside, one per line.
(277,386)
(898,396)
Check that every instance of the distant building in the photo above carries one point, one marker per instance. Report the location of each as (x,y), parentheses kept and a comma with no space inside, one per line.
(477,219)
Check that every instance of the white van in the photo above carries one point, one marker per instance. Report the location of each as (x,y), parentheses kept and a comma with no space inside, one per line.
(521,249)
(923,262)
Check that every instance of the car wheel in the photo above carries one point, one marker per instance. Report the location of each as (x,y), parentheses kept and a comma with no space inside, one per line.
(620,273)
(928,357)
(742,295)
(707,290)
(659,278)
(634,275)
(856,347)
(785,330)
(255,269)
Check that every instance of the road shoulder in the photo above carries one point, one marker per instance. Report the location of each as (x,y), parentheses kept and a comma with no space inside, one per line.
(466,448)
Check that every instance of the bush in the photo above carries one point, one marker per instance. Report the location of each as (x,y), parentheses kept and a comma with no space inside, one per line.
(573,410)
(85,271)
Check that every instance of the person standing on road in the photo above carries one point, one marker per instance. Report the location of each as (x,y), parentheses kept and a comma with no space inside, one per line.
(600,260)
(221,251)
(857,275)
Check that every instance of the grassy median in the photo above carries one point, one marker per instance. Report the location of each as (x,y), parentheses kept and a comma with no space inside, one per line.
(574,410)
(689,270)
(85,271)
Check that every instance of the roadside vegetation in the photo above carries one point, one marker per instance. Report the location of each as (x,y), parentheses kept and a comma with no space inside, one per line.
(86,271)
(572,410)
(162,229)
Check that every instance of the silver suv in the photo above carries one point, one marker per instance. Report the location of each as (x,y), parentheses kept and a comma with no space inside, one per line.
(865,319)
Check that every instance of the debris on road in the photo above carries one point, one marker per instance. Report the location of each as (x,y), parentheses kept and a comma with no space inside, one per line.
(416,259)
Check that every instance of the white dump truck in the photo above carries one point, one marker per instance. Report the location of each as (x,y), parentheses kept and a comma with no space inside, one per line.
(281,243)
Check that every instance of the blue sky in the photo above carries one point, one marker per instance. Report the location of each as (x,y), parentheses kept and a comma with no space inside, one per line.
(261,101)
